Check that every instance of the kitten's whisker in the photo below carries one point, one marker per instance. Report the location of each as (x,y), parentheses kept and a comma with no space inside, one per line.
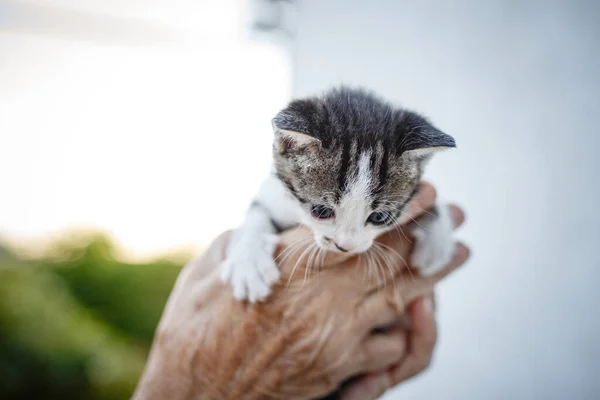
(419,225)
(391,249)
(377,268)
(293,272)
(314,265)
(398,227)
(402,212)
(309,262)
(316,260)
(373,253)
(368,266)
(284,254)
(424,211)
(394,203)
(299,261)
(378,262)
(322,254)
(295,244)
(380,268)
(389,262)
(290,251)
(291,246)
(406,264)
(372,269)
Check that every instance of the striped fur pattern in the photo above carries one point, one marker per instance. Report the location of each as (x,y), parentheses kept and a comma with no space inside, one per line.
(342,162)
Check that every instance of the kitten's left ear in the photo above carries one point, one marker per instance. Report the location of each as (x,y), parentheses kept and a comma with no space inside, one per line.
(290,136)
(420,139)
(287,141)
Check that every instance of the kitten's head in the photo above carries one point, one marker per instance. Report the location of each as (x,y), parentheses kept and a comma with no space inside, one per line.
(352,161)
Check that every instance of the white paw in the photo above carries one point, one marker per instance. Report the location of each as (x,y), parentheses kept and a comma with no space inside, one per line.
(434,247)
(250,267)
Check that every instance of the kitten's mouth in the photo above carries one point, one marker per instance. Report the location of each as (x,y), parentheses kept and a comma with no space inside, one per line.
(330,244)
(341,248)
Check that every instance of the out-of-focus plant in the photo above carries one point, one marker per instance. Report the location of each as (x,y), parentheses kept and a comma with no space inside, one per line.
(77,323)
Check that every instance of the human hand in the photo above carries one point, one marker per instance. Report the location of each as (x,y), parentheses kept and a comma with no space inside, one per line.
(416,346)
(417,343)
(314,333)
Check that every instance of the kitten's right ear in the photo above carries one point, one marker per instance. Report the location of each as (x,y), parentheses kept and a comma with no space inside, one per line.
(419,139)
(290,140)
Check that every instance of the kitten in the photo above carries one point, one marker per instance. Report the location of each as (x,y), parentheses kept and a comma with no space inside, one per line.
(345,164)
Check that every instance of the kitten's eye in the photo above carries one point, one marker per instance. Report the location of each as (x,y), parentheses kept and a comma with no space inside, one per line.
(379,218)
(322,212)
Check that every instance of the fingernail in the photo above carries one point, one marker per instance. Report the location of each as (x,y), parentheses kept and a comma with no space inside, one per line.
(428,305)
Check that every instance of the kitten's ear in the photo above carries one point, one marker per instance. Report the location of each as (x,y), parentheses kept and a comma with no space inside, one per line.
(293,141)
(420,139)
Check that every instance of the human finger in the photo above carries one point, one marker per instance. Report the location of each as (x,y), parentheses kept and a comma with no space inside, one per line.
(420,285)
(457,214)
(422,337)
(382,350)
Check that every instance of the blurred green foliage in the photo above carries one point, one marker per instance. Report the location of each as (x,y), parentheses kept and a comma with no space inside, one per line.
(78,323)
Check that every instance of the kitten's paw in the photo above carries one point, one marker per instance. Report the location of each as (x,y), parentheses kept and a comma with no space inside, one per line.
(434,247)
(250,268)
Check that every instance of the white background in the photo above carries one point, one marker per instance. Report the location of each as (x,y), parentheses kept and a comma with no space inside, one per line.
(516,83)
(150,122)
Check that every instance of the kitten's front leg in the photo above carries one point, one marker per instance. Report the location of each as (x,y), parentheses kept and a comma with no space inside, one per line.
(249,266)
(434,242)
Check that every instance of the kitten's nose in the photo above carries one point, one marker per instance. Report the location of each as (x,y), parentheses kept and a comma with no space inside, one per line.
(345,244)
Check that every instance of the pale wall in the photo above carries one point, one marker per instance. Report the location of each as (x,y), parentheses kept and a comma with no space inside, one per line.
(518,88)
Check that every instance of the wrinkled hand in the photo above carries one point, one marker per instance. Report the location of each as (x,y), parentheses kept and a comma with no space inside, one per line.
(415,344)
(316,331)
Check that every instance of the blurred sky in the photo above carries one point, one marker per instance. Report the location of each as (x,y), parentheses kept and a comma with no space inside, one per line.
(149,121)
